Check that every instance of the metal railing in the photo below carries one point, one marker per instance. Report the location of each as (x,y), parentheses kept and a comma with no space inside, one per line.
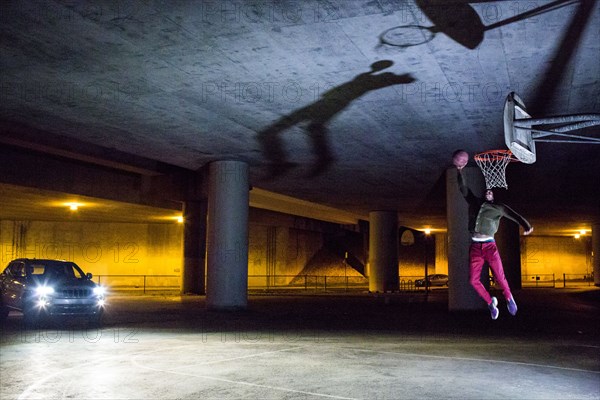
(321,283)
(312,283)
(538,280)
(578,280)
(307,282)
(144,283)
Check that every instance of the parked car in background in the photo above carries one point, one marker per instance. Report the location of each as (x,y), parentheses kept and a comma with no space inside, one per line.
(42,289)
(433,280)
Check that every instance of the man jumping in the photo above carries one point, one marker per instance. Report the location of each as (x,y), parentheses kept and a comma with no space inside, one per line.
(483,225)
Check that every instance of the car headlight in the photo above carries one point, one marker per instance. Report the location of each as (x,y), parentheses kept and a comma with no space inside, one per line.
(44,290)
(99,291)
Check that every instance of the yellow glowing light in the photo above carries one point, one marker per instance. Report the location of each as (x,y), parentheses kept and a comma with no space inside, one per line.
(582,232)
(73,206)
(577,236)
(180,219)
(428,231)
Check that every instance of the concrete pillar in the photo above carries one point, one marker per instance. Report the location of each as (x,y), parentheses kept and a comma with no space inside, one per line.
(596,252)
(227,235)
(508,240)
(276,257)
(282,239)
(383,251)
(194,248)
(363,227)
(441,253)
(461,295)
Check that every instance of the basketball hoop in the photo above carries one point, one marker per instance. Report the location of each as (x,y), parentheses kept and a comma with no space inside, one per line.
(493,165)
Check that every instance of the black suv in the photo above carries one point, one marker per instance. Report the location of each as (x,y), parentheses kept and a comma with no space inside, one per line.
(48,288)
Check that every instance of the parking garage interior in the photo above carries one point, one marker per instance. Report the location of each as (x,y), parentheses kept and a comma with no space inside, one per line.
(113,114)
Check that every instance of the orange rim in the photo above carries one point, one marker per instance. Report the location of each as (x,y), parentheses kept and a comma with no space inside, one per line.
(495,155)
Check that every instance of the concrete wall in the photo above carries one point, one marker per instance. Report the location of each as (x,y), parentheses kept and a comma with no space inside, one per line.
(276,246)
(556,255)
(539,255)
(99,248)
(279,245)
(280,251)
(441,253)
(412,257)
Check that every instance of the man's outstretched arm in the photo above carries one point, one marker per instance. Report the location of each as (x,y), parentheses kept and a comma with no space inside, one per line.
(516,217)
(465,191)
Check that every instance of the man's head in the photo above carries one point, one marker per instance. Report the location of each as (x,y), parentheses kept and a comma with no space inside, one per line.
(489,195)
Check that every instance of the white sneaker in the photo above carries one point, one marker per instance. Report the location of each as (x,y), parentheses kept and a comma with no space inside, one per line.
(512,306)
(493,309)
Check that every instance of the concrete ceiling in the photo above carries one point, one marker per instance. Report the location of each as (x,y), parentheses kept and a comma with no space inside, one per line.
(323,99)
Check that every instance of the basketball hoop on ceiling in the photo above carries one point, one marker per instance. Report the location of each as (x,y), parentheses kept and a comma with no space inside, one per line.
(521,131)
(493,166)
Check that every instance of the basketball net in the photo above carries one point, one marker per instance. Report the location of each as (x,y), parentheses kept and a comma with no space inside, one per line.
(493,165)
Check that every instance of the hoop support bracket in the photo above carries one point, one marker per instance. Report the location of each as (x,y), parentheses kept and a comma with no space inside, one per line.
(573,123)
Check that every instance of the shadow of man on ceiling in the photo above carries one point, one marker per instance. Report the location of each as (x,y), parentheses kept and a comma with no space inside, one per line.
(318,114)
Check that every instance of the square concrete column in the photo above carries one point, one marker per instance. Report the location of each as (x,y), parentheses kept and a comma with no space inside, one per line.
(194,248)
(383,251)
(227,235)
(596,252)
(508,240)
(461,295)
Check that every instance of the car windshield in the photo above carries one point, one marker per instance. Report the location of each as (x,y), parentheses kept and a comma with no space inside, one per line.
(55,270)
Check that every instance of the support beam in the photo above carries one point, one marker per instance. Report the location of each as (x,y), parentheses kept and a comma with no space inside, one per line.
(461,295)
(194,248)
(227,235)
(383,251)
(508,240)
(596,252)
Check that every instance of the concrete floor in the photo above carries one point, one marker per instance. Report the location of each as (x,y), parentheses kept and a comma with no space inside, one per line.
(352,346)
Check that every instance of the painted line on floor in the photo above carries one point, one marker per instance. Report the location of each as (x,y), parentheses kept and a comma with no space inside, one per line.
(40,381)
(236,358)
(274,388)
(484,360)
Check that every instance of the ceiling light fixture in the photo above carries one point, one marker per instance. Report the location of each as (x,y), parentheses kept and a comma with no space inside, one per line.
(73,206)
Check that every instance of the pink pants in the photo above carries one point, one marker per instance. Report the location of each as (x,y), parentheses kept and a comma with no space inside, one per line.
(479,254)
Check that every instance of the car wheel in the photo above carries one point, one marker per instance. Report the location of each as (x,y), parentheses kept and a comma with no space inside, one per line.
(32,317)
(30,320)
(95,321)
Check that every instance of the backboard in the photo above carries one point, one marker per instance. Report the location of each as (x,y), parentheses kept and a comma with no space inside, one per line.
(518,140)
